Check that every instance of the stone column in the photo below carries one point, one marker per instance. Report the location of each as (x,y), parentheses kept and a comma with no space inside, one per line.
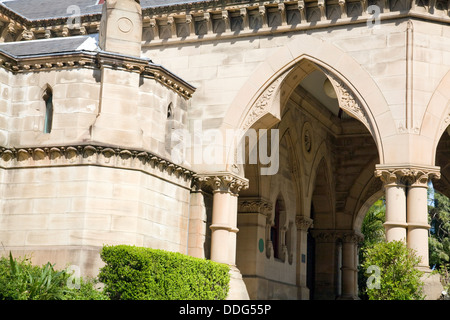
(225,188)
(325,264)
(411,202)
(303,224)
(395,193)
(417,212)
(349,268)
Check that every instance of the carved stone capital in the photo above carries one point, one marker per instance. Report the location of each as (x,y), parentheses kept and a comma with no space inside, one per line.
(350,236)
(221,182)
(408,175)
(255,205)
(303,223)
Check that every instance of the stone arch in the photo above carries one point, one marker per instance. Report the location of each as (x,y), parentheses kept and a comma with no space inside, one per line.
(361,193)
(321,198)
(259,101)
(437,115)
(373,191)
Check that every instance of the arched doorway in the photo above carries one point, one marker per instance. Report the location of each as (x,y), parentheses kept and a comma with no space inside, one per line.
(327,157)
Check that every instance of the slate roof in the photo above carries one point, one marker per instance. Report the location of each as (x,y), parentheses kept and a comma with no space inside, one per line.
(50,46)
(47,9)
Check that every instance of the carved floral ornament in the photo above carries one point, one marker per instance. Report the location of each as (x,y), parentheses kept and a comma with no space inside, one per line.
(346,236)
(263,103)
(257,205)
(303,223)
(347,99)
(219,182)
(407,176)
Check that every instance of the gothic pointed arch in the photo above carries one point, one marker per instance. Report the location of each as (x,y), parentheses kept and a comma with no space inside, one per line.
(259,102)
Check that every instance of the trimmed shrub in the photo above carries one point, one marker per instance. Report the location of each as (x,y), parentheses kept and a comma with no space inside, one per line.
(137,273)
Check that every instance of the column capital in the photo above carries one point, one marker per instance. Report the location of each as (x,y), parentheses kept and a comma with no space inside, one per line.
(303,223)
(255,205)
(407,174)
(225,182)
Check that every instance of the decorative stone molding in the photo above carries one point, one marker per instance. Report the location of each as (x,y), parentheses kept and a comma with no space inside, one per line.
(347,100)
(97,60)
(229,18)
(82,155)
(351,236)
(255,205)
(220,182)
(407,175)
(347,236)
(264,102)
(308,141)
(303,223)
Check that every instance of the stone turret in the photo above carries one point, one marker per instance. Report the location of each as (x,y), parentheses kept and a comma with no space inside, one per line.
(121,27)
(120,34)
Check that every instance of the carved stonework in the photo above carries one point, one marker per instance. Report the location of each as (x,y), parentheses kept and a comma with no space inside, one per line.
(263,103)
(220,182)
(303,223)
(408,176)
(256,205)
(146,162)
(347,100)
(351,237)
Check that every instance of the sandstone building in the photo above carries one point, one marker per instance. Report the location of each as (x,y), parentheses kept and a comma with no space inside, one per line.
(96,97)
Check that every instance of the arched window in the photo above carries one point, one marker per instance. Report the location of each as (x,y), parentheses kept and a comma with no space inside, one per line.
(170,111)
(48,120)
(275,230)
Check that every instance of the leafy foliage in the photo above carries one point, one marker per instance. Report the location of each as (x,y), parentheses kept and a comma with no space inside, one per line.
(373,230)
(136,273)
(399,277)
(439,240)
(20,280)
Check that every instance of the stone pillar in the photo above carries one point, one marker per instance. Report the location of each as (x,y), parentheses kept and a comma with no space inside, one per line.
(395,193)
(417,212)
(325,273)
(254,231)
(225,188)
(197,223)
(349,268)
(406,191)
(415,181)
(303,224)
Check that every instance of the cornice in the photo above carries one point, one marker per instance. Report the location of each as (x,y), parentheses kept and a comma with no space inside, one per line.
(219,19)
(216,18)
(84,59)
(95,155)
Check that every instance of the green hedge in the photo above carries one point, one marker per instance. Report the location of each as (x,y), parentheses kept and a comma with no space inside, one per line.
(136,273)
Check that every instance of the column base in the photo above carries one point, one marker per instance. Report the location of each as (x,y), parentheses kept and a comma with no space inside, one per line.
(432,286)
(303,293)
(348,297)
(238,289)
